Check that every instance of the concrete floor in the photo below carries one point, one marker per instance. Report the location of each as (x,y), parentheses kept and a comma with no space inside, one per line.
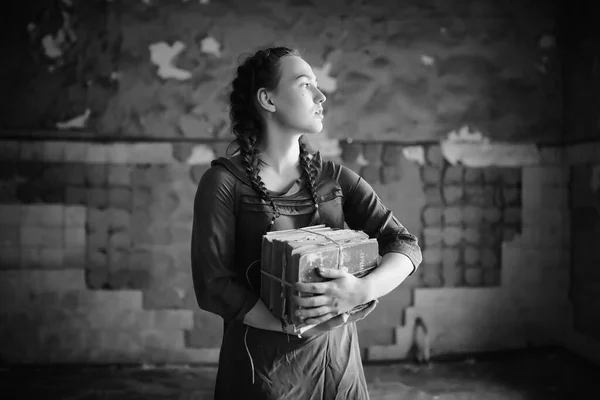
(543,374)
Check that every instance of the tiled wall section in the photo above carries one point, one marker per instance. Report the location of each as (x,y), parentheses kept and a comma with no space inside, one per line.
(469,213)
(118,216)
(47,237)
(466,215)
(136,201)
(530,305)
(50,315)
(87,152)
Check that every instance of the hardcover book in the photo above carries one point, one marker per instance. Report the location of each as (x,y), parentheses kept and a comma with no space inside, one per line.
(294,255)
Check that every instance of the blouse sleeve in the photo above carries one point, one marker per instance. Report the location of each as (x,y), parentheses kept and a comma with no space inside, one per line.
(217,287)
(363,210)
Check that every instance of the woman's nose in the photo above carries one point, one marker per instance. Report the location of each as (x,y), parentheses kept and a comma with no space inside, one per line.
(320,97)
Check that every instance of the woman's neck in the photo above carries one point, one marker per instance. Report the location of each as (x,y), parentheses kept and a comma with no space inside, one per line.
(280,151)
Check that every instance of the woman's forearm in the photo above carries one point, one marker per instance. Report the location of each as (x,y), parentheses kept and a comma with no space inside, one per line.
(393,269)
(260,317)
(391,272)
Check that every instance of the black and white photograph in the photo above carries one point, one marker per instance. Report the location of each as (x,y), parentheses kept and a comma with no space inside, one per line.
(300,200)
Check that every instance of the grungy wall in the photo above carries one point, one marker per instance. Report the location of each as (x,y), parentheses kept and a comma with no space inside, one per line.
(392,70)
(95,252)
(95,222)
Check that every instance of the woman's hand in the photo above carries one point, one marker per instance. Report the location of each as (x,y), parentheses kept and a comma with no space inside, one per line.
(330,299)
(340,320)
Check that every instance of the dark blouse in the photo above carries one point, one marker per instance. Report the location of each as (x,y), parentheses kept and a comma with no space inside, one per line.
(219,276)
(229,221)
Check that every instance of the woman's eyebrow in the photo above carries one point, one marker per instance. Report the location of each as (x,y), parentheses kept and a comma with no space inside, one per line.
(306,76)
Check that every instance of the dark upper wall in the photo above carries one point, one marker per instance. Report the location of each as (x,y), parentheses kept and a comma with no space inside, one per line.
(582,124)
(405,70)
(580,33)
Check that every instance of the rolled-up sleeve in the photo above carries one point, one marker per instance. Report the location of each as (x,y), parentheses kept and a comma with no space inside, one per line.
(364,210)
(217,286)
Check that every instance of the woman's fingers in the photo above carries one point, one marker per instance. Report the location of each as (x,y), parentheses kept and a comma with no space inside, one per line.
(357,316)
(312,301)
(313,287)
(320,319)
(313,312)
(339,320)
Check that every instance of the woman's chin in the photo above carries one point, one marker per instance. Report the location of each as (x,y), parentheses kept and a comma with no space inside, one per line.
(313,130)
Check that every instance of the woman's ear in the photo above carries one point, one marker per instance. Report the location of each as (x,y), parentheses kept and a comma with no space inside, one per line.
(265,100)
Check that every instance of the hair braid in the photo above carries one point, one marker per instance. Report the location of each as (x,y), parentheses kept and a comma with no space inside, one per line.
(259,70)
(251,163)
(311,175)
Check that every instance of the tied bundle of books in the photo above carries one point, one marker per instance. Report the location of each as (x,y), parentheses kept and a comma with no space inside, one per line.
(294,255)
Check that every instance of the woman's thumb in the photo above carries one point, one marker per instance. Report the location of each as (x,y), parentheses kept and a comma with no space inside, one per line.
(333,273)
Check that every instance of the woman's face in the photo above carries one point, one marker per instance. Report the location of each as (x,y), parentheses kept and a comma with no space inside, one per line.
(297,101)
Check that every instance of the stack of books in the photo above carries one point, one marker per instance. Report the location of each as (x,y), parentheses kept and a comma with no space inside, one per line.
(294,255)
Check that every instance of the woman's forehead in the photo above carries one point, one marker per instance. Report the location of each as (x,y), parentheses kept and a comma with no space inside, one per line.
(294,67)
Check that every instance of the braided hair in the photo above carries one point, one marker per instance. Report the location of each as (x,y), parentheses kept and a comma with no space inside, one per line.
(261,70)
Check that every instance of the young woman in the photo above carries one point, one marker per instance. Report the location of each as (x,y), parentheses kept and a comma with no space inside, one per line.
(274,183)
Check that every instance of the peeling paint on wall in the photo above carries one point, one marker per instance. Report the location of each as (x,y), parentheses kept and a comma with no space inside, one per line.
(52,44)
(427,60)
(472,154)
(414,153)
(329,148)
(472,149)
(201,154)
(209,45)
(361,160)
(163,56)
(55,45)
(75,123)
(378,75)
(326,82)
(465,134)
